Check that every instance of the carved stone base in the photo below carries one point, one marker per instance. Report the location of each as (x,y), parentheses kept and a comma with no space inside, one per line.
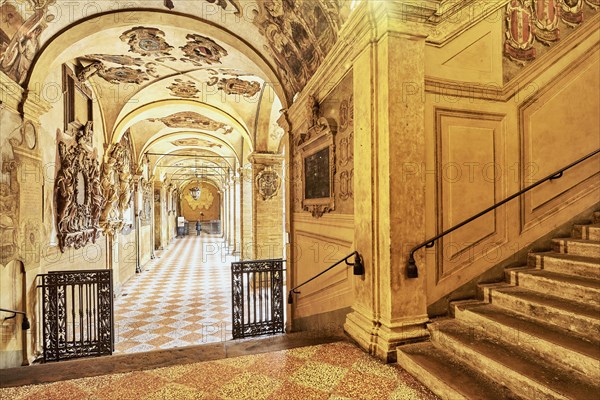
(380,338)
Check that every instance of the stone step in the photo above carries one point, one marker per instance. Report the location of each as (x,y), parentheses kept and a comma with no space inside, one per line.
(575,288)
(447,376)
(552,343)
(572,316)
(587,232)
(566,264)
(577,247)
(523,372)
(596,217)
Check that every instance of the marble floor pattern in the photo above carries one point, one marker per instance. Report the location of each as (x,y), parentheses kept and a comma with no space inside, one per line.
(182,298)
(335,371)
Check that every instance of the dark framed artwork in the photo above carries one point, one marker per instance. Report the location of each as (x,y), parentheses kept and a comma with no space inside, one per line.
(318,169)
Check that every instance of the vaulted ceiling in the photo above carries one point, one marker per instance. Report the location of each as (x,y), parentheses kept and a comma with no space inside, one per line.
(201,76)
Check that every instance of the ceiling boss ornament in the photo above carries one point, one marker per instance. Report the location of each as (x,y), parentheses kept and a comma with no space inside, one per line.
(146,41)
(200,50)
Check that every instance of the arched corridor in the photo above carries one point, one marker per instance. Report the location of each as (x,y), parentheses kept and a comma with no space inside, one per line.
(182,298)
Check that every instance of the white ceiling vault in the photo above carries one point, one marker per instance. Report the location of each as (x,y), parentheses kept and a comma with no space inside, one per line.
(190,77)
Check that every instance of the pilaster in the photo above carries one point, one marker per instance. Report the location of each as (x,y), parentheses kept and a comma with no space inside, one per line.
(389,309)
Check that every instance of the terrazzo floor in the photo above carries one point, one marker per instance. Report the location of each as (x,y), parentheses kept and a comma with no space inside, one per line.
(335,371)
(182,298)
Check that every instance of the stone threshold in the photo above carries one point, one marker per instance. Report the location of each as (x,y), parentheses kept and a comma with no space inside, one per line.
(122,363)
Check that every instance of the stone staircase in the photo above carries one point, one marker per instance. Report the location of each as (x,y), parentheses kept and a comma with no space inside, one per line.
(535,336)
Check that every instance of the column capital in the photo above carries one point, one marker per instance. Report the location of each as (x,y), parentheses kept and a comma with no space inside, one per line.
(266,159)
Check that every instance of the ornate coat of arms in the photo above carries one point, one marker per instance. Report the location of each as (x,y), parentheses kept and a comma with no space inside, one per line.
(268,183)
(146,41)
(201,50)
(519,33)
(546,21)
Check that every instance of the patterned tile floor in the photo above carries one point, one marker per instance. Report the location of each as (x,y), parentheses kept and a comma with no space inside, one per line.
(182,298)
(336,371)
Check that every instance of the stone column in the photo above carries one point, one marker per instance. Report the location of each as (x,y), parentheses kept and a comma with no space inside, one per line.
(238,243)
(267,205)
(389,205)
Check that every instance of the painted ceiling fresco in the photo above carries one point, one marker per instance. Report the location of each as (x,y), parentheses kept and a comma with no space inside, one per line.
(298,35)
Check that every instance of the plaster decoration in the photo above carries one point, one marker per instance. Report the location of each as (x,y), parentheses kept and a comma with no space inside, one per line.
(238,86)
(347,185)
(572,12)
(151,69)
(123,75)
(346,150)
(546,21)
(79,199)
(146,211)
(204,201)
(29,133)
(189,119)
(117,185)
(116,59)
(89,71)
(200,50)
(190,142)
(518,45)
(9,200)
(344,116)
(19,53)
(594,4)
(184,89)
(223,5)
(146,41)
(267,183)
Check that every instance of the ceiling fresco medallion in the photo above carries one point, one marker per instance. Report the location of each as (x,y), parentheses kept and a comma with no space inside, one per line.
(201,50)
(115,59)
(189,142)
(189,119)
(185,89)
(123,75)
(146,41)
(238,86)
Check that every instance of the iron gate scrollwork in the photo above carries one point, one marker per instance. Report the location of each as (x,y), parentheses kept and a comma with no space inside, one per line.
(257,297)
(77,314)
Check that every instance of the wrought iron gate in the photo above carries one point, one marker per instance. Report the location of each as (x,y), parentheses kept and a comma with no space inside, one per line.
(77,314)
(257,297)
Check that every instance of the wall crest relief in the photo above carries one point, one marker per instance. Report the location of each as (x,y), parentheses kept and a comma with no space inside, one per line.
(267,183)
(146,41)
(201,50)
(189,119)
(79,199)
(117,185)
(184,89)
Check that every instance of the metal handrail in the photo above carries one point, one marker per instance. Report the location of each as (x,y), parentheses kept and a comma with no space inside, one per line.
(411,266)
(25,325)
(359,269)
